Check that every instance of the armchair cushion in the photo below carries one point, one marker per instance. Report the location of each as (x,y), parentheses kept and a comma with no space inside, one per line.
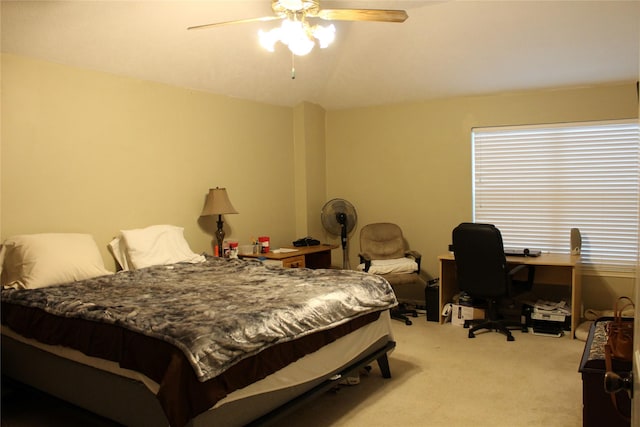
(395,265)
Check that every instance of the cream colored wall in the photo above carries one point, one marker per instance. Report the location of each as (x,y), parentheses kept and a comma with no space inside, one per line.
(411,163)
(310,167)
(1,149)
(91,152)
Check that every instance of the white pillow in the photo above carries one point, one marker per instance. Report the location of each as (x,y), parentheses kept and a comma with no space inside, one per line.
(157,245)
(396,265)
(39,260)
(119,251)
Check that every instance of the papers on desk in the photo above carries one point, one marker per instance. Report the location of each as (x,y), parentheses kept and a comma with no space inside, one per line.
(283,250)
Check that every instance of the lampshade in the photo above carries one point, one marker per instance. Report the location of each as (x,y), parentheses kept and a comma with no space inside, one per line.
(218,203)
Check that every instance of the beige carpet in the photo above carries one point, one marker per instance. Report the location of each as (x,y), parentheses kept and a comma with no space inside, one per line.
(442,378)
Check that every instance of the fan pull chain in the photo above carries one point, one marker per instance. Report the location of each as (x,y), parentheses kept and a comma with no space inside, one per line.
(293,66)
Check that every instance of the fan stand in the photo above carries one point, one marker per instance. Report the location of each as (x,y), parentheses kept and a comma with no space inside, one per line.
(345,252)
(342,220)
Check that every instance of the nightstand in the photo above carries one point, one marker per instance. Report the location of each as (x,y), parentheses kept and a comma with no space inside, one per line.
(318,256)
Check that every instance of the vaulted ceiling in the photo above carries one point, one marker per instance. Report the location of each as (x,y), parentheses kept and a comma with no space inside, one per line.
(445,48)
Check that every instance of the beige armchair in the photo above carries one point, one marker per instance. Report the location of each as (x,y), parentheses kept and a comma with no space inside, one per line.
(383,251)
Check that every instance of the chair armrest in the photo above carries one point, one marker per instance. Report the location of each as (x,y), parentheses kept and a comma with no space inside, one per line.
(531,270)
(516,269)
(366,260)
(530,273)
(415,255)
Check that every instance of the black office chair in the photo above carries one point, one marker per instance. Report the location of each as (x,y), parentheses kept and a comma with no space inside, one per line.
(482,272)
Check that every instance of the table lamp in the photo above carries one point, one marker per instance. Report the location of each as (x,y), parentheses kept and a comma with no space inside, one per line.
(217,203)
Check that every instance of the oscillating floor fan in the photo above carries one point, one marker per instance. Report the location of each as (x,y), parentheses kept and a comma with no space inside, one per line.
(339,218)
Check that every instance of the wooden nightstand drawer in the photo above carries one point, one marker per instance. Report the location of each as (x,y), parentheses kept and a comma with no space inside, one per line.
(293,262)
(302,257)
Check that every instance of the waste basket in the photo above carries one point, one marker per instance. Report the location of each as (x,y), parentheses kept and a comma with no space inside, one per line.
(431,300)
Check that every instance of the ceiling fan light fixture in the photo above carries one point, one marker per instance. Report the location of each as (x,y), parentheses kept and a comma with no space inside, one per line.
(298,36)
(301,46)
(325,35)
(268,39)
(286,7)
(291,4)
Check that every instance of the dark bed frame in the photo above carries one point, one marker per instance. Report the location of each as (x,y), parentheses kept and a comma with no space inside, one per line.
(379,355)
(130,402)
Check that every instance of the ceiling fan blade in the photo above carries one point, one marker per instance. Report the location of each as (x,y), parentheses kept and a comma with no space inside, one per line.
(380,15)
(239,21)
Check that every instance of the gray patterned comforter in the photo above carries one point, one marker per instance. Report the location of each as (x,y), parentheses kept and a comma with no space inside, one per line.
(220,311)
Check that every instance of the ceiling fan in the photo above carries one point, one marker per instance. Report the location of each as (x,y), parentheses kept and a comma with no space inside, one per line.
(298,34)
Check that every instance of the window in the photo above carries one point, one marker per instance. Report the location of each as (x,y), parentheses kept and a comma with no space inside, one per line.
(535,183)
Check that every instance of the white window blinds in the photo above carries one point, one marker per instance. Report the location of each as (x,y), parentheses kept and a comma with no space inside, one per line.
(535,183)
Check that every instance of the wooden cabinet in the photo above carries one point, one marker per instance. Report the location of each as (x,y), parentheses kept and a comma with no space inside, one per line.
(597,408)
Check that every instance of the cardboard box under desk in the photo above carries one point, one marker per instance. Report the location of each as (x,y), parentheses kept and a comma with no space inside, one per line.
(460,313)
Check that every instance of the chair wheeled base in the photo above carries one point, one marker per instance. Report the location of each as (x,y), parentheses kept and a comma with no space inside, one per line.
(502,326)
(400,312)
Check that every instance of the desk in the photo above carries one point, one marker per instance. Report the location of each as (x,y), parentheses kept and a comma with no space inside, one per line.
(551,269)
(318,256)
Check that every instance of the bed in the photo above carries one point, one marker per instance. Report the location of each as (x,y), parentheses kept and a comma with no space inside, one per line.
(200,341)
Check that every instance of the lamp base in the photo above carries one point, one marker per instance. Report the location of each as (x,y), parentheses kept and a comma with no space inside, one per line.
(219,237)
